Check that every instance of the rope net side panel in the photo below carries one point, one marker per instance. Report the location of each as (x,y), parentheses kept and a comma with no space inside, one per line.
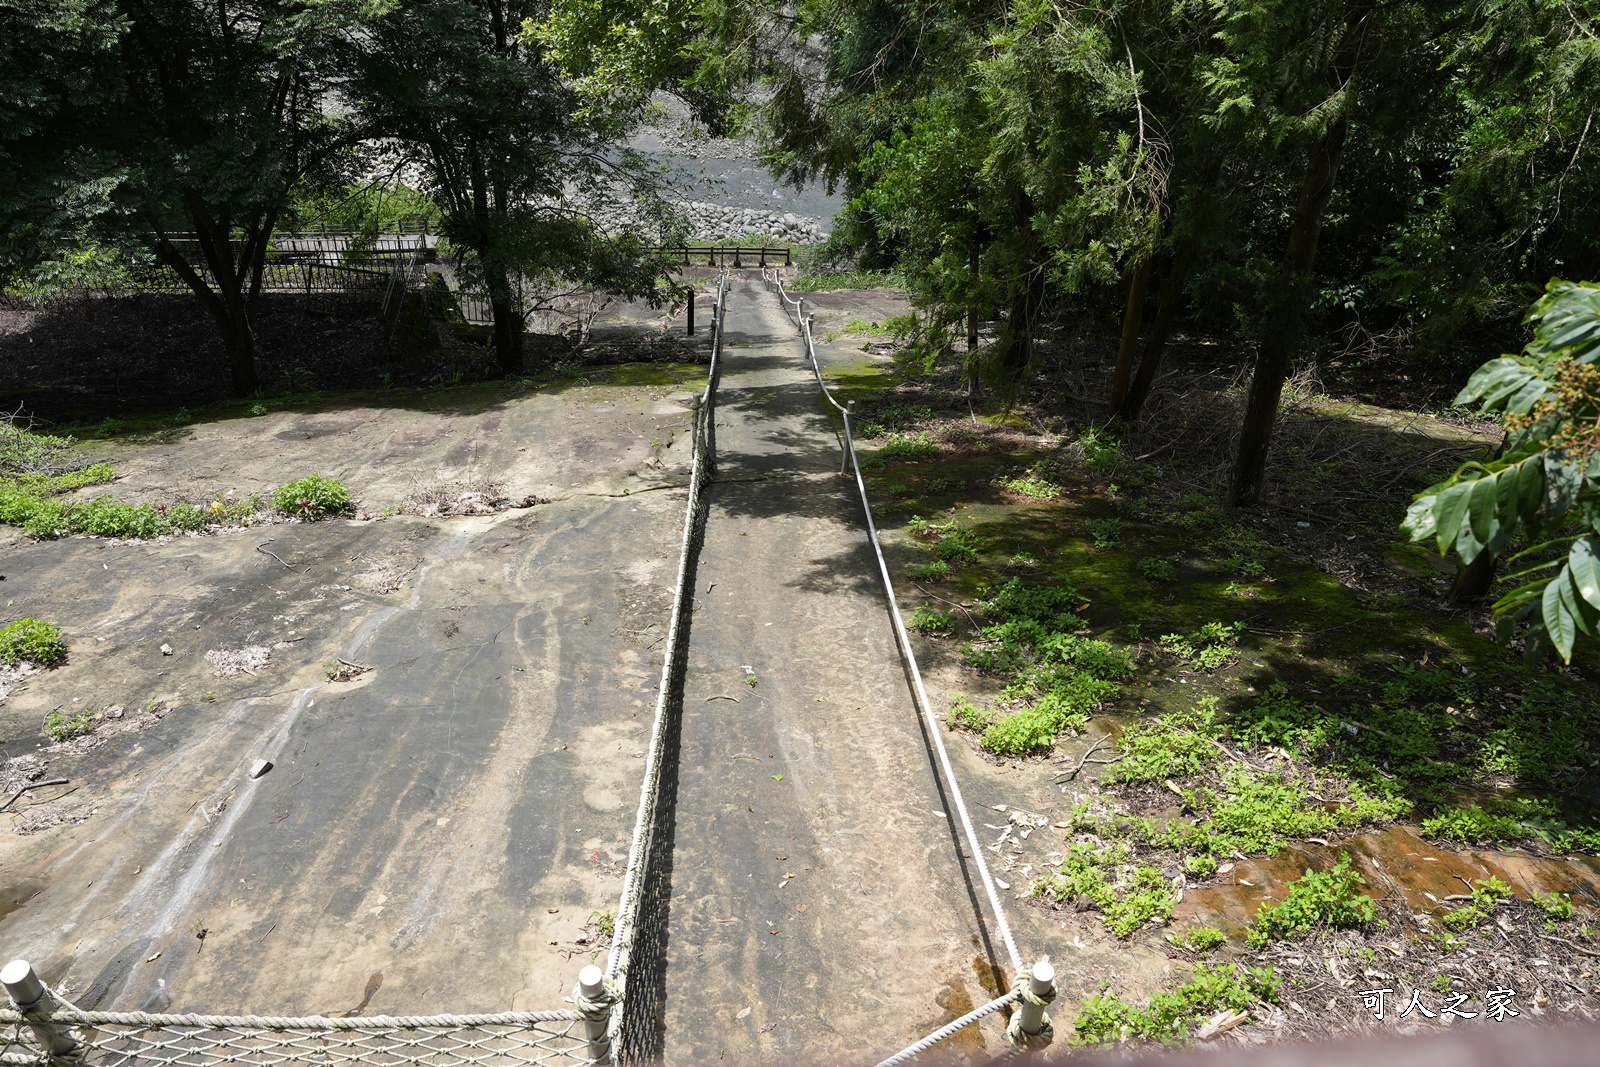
(127,1039)
(638,963)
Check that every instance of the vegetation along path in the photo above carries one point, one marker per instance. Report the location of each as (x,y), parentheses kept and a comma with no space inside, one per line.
(818,902)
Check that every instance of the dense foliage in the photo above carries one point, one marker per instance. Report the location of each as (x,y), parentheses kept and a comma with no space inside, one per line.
(1286,171)
(1543,491)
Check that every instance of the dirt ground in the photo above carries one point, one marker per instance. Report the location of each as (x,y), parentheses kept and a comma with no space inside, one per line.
(442,827)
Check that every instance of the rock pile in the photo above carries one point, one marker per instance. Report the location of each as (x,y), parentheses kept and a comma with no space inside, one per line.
(716,222)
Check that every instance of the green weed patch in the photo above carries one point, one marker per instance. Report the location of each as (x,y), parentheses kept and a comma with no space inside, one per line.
(1106,1019)
(33,641)
(1318,898)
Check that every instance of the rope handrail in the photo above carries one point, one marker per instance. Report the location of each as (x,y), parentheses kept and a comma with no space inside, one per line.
(1002,926)
(914,1050)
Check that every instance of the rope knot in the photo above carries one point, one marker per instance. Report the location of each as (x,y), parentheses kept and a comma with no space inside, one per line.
(598,1008)
(1046,1032)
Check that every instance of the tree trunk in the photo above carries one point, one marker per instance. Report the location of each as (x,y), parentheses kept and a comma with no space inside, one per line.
(1285,319)
(1473,580)
(1132,323)
(507,336)
(972,311)
(1171,300)
(1015,344)
(224,298)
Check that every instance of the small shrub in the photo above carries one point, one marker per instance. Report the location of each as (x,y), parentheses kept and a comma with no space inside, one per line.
(1556,906)
(1208,648)
(969,716)
(1050,605)
(898,417)
(1276,718)
(1487,895)
(1332,897)
(1019,734)
(1240,553)
(1032,484)
(1200,865)
(936,571)
(33,641)
(1203,939)
(928,619)
(1105,1019)
(65,727)
(1180,745)
(1156,568)
(107,517)
(956,545)
(605,921)
(1101,451)
(311,498)
(909,447)
(1105,532)
(184,515)
(258,409)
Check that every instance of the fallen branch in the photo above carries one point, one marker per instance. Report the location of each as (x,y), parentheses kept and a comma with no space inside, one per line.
(1070,775)
(721,696)
(959,607)
(32,785)
(1574,946)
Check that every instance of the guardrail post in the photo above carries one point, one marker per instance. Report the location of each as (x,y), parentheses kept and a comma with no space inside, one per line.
(691,313)
(595,1002)
(29,994)
(1030,1027)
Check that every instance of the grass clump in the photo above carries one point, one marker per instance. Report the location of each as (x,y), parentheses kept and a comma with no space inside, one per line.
(1032,484)
(890,419)
(934,571)
(1487,895)
(1061,676)
(907,447)
(61,727)
(1105,1019)
(105,516)
(1157,568)
(32,641)
(312,498)
(930,620)
(1208,648)
(1180,745)
(1127,894)
(1318,898)
(970,716)
(1204,939)
(1104,533)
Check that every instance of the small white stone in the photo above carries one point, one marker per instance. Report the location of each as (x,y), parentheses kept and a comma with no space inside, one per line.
(260,767)
(166,649)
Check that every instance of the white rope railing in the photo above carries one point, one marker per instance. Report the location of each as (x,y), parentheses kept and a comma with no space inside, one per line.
(1002,926)
(1029,1026)
(702,461)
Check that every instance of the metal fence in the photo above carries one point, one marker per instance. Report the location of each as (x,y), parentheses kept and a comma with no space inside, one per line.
(1029,1026)
(720,255)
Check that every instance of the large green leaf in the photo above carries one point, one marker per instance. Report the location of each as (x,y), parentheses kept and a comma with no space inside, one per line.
(1558,621)
(1584,563)
(1450,512)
